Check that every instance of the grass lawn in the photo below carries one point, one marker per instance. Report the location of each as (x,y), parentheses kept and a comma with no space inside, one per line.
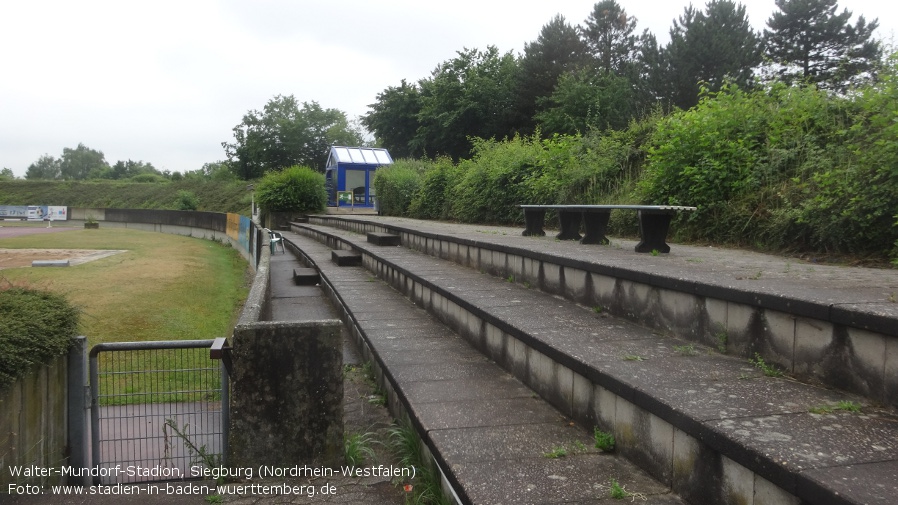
(166,287)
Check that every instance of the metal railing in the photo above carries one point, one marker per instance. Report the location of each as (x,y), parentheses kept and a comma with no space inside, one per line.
(159,410)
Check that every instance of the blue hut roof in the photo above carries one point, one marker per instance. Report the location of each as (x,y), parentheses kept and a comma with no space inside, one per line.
(358,156)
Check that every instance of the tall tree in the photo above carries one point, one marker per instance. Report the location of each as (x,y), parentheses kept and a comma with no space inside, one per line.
(588,99)
(82,163)
(471,95)
(708,47)
(813,44)
(284,134)
(46,167)
(558,50)
(394,119)
(609,35)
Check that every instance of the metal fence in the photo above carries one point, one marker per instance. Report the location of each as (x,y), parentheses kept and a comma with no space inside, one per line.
(159,410)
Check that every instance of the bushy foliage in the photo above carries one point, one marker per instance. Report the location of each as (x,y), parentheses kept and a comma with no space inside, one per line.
(294,189)
(778,168)
(396,185)
(186,200)
(35,327)
(434,198)
(759,166)
(853,204)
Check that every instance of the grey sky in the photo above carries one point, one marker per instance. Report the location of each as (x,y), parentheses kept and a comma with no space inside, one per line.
(166,81)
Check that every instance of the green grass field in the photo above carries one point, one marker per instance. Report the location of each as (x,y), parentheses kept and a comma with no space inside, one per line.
(166,287)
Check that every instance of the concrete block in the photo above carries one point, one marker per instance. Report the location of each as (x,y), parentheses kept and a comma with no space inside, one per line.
(516,267)
(739,319)
(564,388)
(494,343)
(716,323)
(645,439)
(518,354)
(582,400)
(453,252)
(738,483)
(551,279)
(768,493)
(890,387)
(603,290)
(781,338)
(678,313)
(287,394)
(540,373)
(604,404)
(530,271)
(464,255)
(50,263)
(498,263)
(812,339)
(575,284)
(344,258)
(637,300)
(306,276)
(869,361)
(383,239)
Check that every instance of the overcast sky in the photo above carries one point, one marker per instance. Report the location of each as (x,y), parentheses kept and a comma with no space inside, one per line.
(166,81)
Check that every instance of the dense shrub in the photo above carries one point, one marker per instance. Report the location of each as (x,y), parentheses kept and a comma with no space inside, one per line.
(186,200)
(35,327)
(396,185)
(742,159)
(294,189)
(778,168)
(434,198)
(853,205)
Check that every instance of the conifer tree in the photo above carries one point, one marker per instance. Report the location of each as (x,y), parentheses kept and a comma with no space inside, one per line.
(810,42)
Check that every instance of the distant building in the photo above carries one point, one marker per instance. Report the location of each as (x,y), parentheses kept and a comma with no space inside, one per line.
(349,175)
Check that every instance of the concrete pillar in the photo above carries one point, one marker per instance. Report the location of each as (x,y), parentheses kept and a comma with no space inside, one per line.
(287,394)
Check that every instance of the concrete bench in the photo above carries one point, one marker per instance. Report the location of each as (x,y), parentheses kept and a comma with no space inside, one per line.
(654,222)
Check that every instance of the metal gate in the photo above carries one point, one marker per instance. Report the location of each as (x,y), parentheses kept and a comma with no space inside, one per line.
(159,410)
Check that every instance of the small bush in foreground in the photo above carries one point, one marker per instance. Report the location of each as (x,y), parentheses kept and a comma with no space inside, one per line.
(35,327)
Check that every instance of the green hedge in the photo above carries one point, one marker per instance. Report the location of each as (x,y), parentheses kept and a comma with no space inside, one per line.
(293,189)
(778,168)
(35,327)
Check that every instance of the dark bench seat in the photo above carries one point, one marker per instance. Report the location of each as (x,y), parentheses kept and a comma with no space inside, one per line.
(654,222)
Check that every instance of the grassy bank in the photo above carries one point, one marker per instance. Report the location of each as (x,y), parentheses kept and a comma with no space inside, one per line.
(216,196)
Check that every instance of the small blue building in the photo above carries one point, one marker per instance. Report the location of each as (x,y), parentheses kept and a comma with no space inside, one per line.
(349,175)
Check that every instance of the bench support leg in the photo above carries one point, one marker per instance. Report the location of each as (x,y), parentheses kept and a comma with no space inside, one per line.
(653,229)
(595,224)
(533,223)
(569,222)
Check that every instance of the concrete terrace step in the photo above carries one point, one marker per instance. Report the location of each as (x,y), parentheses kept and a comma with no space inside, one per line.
(486,430)
(383,239)
(712,427)
(346,258)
